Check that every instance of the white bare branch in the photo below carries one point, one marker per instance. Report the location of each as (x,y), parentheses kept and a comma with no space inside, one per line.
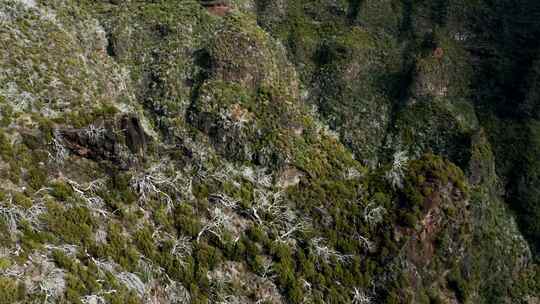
(369,245)
(217,224)
(95,133)
(47,279)
(374,214)
(58,151)
(225,200)
(14,214)
(234,117)
(67,249)
(224,172)
(257,176)
(396,174)
(308,292)
(177,293)
(88,193)
(181,246)
(270,205)
(267,270)
(154,184)
(270,210)
(352,173)
(95,299)
(360,297)
(286,235)
(325,253)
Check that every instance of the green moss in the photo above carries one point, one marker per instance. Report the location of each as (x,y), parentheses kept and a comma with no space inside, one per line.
(32,239)
(145,242)
(425,177)
(118,248)
(22,199)
(6,149)
(6,113)
(37,177)
(426,127)
(11,291)
(4,263)
(61,191)
(74,225)
(80,279)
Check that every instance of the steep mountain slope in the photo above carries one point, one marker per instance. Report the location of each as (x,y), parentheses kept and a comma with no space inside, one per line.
(253,152)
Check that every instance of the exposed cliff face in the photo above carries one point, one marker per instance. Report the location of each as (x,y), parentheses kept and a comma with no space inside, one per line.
(253,152)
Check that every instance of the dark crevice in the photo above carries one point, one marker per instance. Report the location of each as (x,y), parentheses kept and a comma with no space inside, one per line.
(405,29)
(111,49)
(354,10)
(506,45)
(203,60)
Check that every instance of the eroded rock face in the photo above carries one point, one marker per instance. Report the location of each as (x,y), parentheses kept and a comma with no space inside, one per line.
(445,214)
(218,8)
(438,235)
(289,177)
(123,143)
(136,139)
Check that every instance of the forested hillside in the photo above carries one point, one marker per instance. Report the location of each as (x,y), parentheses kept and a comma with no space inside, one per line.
(257,151)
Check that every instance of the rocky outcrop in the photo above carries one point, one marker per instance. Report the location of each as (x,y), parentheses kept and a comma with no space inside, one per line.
(123,142)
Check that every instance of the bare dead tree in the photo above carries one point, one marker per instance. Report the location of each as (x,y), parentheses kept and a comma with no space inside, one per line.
(307,292)
(368,245)
(89,194)
(267,271)
(264,301)
(67,249)
(216,225)
(224,172)
(231,299)
(58,151)
(224,200)
(269,204)
(374,214)
(325,253)
(396,174)
(360,297)
(102,265)
(176,292)
(50,285)
(291,228)
(277,215)
(95,133)
(185,186)
(49,280)
(181,246)
(258,176)
(352,173)
(154,184)
(233,119)
(14,214)
(94,299)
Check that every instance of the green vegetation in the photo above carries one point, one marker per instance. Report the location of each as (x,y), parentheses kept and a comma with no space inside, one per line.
(11,291)
(321,151)
(427,174)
